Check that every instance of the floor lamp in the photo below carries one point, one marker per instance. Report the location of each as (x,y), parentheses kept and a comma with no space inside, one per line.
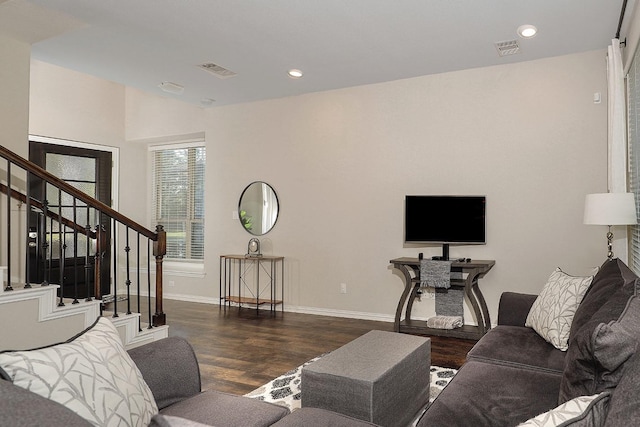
(610,209)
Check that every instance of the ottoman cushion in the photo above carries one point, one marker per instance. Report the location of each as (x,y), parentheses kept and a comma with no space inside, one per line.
(380,377)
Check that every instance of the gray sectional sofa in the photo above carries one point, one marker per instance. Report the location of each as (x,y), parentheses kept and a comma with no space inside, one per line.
(511,375)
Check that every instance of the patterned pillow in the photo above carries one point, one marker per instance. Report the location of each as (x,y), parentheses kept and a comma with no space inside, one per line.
(552,312)
(91,374)
(583,411)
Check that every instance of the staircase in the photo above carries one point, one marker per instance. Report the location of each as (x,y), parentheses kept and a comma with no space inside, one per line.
(42,321)
(67,258)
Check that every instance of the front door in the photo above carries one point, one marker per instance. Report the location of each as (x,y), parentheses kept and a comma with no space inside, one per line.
(70,262)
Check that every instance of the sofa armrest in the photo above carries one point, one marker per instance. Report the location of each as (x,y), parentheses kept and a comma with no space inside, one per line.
(170,368)
(514,308)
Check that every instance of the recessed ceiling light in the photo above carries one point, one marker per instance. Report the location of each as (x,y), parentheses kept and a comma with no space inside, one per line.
(207,102)
(295,73)
(527,31)
(170,87)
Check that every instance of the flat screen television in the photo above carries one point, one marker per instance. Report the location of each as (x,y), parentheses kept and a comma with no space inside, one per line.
(457,220)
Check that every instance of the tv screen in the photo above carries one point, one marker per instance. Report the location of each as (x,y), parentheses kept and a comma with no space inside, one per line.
(445,219)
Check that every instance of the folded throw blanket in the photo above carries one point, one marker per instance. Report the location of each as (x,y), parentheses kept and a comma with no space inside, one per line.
(436,274)
(445,322)
(450,302)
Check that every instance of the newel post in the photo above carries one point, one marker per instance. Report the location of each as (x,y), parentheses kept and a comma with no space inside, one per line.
(159,251)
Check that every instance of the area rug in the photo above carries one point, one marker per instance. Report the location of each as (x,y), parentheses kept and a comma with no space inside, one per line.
(285,390)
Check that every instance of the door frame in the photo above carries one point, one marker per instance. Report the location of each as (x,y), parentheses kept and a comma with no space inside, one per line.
(115,157)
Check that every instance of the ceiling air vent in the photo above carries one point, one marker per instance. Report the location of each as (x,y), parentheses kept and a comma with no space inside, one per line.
(217,70)
(508,47)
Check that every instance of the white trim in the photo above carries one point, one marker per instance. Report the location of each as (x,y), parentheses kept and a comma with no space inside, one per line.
(177,145)
(379,317)
(186,268)
(115,158)
(127,325)
(172,141)
(47,304)
(182,269)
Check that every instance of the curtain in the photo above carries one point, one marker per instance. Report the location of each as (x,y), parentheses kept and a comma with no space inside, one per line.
(617,137)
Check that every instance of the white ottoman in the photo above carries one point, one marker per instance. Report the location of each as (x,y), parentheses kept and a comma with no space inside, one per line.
(380,377)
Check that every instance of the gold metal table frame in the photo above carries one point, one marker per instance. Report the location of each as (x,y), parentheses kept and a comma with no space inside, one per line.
(237,269)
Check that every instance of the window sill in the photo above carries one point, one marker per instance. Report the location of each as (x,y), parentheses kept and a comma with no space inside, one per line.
(184,268)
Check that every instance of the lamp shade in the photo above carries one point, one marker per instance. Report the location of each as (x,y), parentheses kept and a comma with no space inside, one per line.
(610,209)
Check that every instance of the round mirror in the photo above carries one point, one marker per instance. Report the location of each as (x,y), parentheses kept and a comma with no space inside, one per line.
(258,208)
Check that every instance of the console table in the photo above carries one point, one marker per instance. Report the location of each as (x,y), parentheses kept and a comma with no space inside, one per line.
(245,272)
(471,272)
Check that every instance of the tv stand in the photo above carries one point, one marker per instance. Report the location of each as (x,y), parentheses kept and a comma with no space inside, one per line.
(471,271)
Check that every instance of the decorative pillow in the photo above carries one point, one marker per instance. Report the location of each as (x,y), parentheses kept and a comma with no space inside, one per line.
(552,312)
(624,409)
(614,343)
(612,276)
(583,411)
(91,374)
(589,365)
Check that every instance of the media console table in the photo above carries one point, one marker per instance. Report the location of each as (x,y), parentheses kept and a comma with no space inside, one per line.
(471,272)
(241,268)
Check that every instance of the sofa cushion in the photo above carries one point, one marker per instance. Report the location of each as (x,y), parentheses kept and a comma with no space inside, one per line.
(581,374)
(624,409)
(316,417)
(491,395)
(602,355)
(552,312)
(160,420)
(583,411)
(518,346)
(222,409)
(611,276)
(91,374)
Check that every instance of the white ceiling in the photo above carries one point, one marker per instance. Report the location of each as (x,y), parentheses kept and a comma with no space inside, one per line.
(337,43)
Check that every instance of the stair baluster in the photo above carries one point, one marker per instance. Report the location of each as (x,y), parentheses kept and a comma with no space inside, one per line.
(149,282)
(75,253)
(8,287)
(115,273)
(41,257)
(87,264)
(28,246)
(127,282)
(61,246)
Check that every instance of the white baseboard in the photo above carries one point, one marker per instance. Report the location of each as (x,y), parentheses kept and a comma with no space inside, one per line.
(380,317)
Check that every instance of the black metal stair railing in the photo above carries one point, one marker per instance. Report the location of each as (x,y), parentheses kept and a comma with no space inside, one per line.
(71,239)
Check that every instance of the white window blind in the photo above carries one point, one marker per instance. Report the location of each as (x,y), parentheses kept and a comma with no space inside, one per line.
(178,199)
(633,95)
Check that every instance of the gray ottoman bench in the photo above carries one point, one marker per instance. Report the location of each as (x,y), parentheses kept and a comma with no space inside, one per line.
(380,377)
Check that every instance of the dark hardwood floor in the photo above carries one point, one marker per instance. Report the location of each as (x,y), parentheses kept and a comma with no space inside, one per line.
(239,351)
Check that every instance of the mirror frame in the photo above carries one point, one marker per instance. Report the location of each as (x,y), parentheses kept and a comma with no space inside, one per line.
(277,213)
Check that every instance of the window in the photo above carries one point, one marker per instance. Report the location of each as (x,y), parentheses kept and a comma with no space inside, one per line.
(178,199)
(633,108)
